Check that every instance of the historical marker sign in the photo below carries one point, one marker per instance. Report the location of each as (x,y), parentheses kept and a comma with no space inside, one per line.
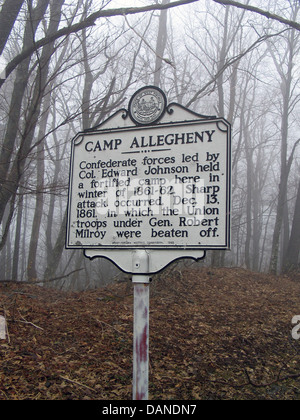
(160,186)
(150,185)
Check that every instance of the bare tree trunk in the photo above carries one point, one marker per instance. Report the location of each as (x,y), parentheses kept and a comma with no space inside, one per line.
(31,264)
(161,44)
(56,253)
(23,261)
(17,244)
(286,89)
(5,252)
(291,258)
(50,213)
(249,206)
(10,182)
(285,232)
(257,223)
(8,15)
(217,256)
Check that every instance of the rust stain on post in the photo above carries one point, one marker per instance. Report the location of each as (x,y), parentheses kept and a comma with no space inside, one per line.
(141,342)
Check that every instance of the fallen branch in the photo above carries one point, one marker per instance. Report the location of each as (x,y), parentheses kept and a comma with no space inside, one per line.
(62,277)
(37,281)
(30,323)
(76,382)
(275,381)
(256,385)
(108,325)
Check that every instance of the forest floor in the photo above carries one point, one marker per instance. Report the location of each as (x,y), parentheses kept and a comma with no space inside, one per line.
(217,334)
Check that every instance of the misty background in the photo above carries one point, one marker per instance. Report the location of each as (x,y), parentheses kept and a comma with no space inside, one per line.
(72,64)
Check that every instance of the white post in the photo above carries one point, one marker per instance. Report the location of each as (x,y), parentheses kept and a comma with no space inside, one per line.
(141,325)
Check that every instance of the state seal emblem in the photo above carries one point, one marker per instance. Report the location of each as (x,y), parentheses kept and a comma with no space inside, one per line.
(147,105)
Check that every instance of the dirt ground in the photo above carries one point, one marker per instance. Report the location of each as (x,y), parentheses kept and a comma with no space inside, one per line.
(215,334)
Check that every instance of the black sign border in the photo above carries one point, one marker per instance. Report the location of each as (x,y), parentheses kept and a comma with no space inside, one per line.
(201,120)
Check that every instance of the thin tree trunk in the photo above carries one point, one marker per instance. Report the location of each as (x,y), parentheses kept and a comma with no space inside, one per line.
(8,15)
(286,88)
(249,159)
(56,253)
(161,44)
(37,218)
(10,182)
(291,259)
(17,244)
(257,225)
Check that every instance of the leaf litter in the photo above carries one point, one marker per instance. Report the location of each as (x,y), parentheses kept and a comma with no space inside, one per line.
(215,334)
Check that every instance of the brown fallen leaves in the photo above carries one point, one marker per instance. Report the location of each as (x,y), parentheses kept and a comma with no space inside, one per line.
(214,334)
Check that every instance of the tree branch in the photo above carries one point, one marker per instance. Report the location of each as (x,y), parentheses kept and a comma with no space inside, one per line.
(290,161)
(166,60)
(275,381)
(37,281)
(262,12)
(86,23)
(229,63)
(258,385)
(91,20)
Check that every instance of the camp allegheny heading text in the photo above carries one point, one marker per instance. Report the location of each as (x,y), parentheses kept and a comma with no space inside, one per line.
(160,140)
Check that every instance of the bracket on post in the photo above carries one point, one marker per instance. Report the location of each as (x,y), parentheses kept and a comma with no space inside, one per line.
(140,266)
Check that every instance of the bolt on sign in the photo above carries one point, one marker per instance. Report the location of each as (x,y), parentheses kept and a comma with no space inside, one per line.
(154,177)
(148,186)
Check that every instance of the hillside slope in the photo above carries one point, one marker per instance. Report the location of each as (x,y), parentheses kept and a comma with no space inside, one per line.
(214,334)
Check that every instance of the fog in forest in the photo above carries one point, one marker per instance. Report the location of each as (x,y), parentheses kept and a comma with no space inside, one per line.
(70,65)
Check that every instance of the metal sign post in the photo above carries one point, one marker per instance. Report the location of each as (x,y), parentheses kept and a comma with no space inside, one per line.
(141,341)
(150,185)
(140,282)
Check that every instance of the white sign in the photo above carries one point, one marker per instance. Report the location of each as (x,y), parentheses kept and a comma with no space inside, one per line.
(161,187)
